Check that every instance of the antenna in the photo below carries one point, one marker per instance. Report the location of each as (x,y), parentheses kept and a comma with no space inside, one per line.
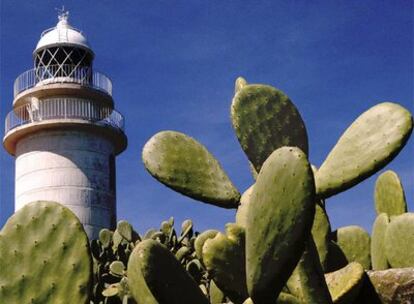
(62,13)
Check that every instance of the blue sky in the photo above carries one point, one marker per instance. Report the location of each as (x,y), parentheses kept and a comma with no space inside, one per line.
(173,66)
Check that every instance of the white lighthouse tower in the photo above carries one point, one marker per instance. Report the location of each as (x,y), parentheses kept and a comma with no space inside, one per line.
(64,131)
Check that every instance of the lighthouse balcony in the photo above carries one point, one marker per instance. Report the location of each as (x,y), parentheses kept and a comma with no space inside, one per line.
(63,112)
(63,108)
(65,73)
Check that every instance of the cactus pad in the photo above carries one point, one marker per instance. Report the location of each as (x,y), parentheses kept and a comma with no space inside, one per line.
(224,257)
(44,256)
(321,230)
(355,243)
(216,295)
(399,241)
(284,298)
(241,214)
(265,119)
(186,166)
(371,142)
(345,283)
(312,280)
(239,84)
(137,285)
(378,258)
(281,212)
(164,276)
(389,194)
(201,239)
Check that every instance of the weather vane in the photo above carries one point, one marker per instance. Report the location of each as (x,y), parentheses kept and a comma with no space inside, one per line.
(62,13)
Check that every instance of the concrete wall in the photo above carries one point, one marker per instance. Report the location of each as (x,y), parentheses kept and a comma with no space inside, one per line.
(71,167)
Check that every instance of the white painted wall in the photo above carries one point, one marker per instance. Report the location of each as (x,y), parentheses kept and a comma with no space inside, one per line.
(71,167)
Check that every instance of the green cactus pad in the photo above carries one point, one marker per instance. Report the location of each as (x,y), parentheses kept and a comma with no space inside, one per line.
(136,282)
(284,298)
(389,194)
(186,166)
(201,239)
(165,278)
(371,142)
(345,283)
(241,214)
(239,84)
(293,284)
(265,119)
(281,212)
(378,258)
(253,171)
(399,241)
(125,230)
(224,258)
(313,285)
(117,268)
(44,257)
(105,237)
(355,243)
(321,231)
(216,295)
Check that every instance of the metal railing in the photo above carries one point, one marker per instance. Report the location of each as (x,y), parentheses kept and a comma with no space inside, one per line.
(62,74)
(63,108)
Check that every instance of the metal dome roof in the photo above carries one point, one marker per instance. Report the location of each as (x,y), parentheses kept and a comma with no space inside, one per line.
(62,34)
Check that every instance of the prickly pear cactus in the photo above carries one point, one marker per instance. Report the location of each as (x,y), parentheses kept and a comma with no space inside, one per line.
(242,213)
(378,257)
(345,283)
(371,142)
(138,286)
(284,298)
(239,84)
(265,119)
(183,164)
(224,257)
(321,230)
(215,294)
(169,283)
(355,243)
(399,241)
(312,280)
(44,256)
(389,194)
(201,239)
(281,212)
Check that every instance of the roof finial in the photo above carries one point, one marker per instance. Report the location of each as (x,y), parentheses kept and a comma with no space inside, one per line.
(63,14)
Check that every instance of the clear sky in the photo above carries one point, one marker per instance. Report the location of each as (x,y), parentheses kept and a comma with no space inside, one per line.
(173,66)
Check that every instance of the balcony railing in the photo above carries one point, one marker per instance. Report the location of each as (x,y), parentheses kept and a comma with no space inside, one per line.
(62,74)
(63,108)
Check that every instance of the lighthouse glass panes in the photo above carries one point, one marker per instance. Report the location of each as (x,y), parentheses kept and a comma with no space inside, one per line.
(63,61)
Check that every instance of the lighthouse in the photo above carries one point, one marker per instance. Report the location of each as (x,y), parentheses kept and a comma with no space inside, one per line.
(64,130)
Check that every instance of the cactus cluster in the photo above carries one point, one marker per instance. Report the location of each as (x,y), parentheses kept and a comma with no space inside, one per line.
(280,248)
(393,230)
(285,208)
(113,251)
